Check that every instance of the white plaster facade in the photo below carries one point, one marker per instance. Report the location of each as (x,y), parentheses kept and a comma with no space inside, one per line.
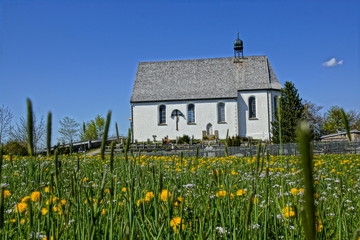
(145,117)
(204,83)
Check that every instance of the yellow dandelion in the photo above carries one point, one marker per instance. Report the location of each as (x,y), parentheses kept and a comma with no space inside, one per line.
(178,201)
(140,201)
(22,221)
(176,223)
(47,189)
(165,195)
(123,189)
(12,220)
(221,193)
(107,190)
(26,199)
(44,211)
(63,202)
(288,212)
(35,196)
(103,211)
(294,191)
(7,193)
(240,192)
(21,207)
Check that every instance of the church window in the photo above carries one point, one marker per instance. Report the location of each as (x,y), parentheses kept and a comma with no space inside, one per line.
(191,113)
(162,114)
(252,107)
(221,112)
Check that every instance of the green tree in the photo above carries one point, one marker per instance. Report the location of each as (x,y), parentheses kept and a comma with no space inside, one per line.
(291,111)
(334,122)
(94,129)
(314,118)
(69,129)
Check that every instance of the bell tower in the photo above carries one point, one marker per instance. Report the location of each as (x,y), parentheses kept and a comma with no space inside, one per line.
(238,47)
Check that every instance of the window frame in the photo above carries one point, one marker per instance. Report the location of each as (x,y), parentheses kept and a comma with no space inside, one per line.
(252,108)
(221,111)
(189,115)
(162,114)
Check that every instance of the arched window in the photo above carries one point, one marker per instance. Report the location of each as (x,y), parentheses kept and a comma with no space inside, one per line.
(209,129)
(191,113)
(221,112)
(162,114)
(252,107)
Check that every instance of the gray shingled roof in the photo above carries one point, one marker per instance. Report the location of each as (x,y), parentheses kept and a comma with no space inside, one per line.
(202,78)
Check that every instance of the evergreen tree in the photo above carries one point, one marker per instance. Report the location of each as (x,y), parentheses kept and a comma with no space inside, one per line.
(291,110)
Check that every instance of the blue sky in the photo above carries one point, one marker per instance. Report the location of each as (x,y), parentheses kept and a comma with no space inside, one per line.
(78,58)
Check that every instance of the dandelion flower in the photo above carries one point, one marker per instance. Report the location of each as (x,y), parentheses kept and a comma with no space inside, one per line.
(240,192)
(35,196)
(21,207)
(165,195)
(26,199)
(44,211)
(221,193)
(103,211)
(176,223)
(288,212)
(7,193)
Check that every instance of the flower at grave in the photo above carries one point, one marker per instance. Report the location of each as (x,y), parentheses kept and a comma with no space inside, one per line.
(21,207)
(35,196)
(288,212)
(176,223)
(165,195)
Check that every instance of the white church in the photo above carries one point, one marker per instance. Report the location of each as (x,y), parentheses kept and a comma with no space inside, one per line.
(205,98)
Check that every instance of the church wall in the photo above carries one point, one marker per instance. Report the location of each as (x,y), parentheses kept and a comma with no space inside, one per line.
(146,119)
(257,128)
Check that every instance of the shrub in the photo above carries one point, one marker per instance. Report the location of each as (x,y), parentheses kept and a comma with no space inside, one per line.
(16,148)
(185,139)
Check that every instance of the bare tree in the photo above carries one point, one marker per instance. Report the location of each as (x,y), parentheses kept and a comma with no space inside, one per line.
(19,132)
(69,129)
(5,122)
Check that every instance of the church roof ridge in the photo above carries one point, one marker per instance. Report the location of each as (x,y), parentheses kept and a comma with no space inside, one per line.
(201,59)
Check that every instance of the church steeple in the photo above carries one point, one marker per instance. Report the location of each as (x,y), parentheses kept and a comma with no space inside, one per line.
(238,47)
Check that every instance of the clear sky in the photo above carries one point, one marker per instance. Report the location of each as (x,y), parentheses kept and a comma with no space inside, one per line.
(78,58)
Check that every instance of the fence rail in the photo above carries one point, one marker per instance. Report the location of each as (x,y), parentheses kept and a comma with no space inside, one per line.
(319,148)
